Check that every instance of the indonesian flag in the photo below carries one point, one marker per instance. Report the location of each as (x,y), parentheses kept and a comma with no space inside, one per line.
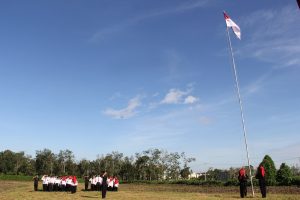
(231,24)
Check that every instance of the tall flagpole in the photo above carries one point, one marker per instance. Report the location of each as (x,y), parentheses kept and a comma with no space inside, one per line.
(241,107)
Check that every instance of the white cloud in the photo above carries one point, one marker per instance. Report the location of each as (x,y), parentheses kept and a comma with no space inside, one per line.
(127,112)
(174,96)
(190,100)
(177,96)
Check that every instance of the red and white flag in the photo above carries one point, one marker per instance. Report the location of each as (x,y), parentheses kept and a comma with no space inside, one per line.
(231,24)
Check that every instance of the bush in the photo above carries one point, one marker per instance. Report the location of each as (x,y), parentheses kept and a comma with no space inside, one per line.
(231,182)
(295,180)
(179,182)
(284,175)
(270,169)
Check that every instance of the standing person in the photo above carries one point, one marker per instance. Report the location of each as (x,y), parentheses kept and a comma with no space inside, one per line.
(45,183)
(50,184)
(243,182)
(69,182)
(63,183)
(74,184)
(86,183)
(116,184)
(35,182)
(104,185)
(98,184)
(260,175)
(110,184)
(92,180)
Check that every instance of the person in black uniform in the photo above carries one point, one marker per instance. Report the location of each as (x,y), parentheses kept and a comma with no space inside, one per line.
(36,182)
(260,175)
(86,183)
(104,185)
(243,182)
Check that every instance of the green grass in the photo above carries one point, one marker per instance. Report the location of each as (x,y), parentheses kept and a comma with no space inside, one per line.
(15,177)
(20,190)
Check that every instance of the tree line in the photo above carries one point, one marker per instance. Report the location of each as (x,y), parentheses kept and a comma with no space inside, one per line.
(285,175)
(152,164)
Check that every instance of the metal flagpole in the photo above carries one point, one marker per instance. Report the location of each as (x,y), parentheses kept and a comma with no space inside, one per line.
(241,107)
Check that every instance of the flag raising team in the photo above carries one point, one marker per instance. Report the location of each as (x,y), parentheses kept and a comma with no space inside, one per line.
(55,183)
(70,183)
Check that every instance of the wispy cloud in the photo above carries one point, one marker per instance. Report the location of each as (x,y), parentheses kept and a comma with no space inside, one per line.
(274,36)
(186,6)
(125,113)
(205,120)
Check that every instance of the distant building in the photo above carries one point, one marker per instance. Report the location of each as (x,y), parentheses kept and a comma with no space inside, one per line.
(194,175)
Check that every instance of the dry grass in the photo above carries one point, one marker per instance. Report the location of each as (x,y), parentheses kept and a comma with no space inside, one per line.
(13,190)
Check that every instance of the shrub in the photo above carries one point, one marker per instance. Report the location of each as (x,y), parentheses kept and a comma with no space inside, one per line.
(270,169)
(284,175)
(295,180)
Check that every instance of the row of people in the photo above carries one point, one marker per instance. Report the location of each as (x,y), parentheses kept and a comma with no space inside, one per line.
(96,183)
(64,183)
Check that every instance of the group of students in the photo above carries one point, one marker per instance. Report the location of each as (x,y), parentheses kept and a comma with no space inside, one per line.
(69,183)
(96,183)
(260,175)
(54,183)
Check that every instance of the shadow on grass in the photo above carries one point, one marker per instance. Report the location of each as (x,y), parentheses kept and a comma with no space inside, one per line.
(91,197)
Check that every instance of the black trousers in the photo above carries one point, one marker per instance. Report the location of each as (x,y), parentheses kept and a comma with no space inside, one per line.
(45,187)
(263,188)
(63,187)
(73,189)
(35,186)
(50,186)
(243,189)
(55,187)
(98,186)
(104,189)
(86,186)
(68,187)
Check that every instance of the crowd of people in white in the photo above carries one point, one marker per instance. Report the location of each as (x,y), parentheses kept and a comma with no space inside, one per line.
(96,183)
(101,183)
(64,183)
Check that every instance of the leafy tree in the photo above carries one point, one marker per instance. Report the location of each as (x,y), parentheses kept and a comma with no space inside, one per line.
(141,165)
(173,165)
(44,161)
(66,161)
(7,160)
(295,170)
(127,170)
(284,175)
(185,172)
(83,167)
(270,170)
(218,174)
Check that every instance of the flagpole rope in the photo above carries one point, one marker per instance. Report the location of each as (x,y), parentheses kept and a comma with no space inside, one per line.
(241,108)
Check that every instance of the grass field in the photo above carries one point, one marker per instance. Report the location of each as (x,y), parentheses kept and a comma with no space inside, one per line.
(14,190)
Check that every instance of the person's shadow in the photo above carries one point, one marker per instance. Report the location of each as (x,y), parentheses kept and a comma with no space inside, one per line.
(91,197)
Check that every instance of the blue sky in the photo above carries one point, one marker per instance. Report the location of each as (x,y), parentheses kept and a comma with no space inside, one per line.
(102,76)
